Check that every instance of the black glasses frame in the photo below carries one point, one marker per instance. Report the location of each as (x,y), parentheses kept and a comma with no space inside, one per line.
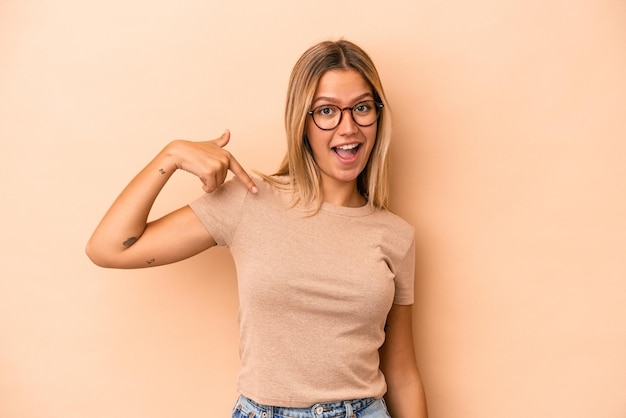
(379,107)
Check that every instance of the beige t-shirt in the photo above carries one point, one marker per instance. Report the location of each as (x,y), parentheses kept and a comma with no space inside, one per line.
(314,292)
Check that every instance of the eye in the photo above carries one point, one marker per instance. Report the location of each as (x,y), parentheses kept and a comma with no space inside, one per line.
(364,107)
(325,111)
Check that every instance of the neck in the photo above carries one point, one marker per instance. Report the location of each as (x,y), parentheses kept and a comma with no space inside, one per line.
(344,194)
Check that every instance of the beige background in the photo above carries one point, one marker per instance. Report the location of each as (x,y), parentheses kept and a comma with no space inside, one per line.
(508,158)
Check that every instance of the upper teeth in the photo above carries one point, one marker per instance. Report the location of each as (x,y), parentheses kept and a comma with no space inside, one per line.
(349,146)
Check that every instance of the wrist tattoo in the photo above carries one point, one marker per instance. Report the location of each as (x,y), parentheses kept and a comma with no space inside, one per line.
(130,241)
(161,171)
(152,260)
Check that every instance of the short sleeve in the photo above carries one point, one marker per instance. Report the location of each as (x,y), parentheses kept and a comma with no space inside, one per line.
(405,278)
(220,211)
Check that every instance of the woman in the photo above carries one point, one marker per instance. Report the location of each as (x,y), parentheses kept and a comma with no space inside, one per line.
(325,271)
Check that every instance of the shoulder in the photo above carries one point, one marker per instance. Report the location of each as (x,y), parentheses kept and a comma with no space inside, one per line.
(231,190)
(396,234)
(271,193)
(393,222)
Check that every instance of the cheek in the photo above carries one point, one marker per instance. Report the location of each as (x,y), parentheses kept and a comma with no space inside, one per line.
(318,139)
(371,134)
(312,134)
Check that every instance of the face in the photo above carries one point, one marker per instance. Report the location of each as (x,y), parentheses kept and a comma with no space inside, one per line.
(341,153)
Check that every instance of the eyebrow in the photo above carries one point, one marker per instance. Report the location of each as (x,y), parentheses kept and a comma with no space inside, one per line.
(334,100)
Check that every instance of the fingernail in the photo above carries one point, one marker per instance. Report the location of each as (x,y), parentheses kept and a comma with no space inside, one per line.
(254,189)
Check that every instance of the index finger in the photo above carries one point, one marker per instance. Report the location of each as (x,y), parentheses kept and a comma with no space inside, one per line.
(238,170)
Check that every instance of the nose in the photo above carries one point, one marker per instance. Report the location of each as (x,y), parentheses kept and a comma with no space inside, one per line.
(347,125)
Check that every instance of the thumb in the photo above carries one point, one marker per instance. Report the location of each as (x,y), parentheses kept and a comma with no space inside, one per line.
(223,139)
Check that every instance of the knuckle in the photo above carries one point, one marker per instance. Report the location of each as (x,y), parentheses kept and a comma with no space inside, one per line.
(222,160)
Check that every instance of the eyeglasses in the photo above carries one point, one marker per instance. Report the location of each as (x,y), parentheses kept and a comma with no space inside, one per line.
(327,117)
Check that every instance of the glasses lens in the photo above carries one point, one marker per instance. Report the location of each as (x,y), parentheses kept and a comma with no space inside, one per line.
(326,116)
(365,113)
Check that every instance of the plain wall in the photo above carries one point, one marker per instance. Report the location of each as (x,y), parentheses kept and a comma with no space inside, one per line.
(508,158)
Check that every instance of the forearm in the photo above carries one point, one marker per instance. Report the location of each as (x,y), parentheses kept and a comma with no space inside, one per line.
(405,393)
(407,401)
(126,219)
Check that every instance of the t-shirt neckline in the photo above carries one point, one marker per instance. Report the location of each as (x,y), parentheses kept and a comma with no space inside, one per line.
(347,211)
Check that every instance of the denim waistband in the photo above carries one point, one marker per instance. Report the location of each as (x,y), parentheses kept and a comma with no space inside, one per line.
(250,409)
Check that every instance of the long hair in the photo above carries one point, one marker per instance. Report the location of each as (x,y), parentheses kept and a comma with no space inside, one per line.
(298,170)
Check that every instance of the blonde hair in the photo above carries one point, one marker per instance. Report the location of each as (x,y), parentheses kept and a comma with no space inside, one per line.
(298,170)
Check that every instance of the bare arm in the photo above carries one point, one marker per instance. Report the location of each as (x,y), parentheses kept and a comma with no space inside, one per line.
(405,394)
(125,239)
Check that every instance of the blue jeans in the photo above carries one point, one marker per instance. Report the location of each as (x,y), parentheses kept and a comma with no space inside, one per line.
(360,408)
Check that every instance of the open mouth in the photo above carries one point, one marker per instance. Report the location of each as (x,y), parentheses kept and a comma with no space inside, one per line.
(346,151)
